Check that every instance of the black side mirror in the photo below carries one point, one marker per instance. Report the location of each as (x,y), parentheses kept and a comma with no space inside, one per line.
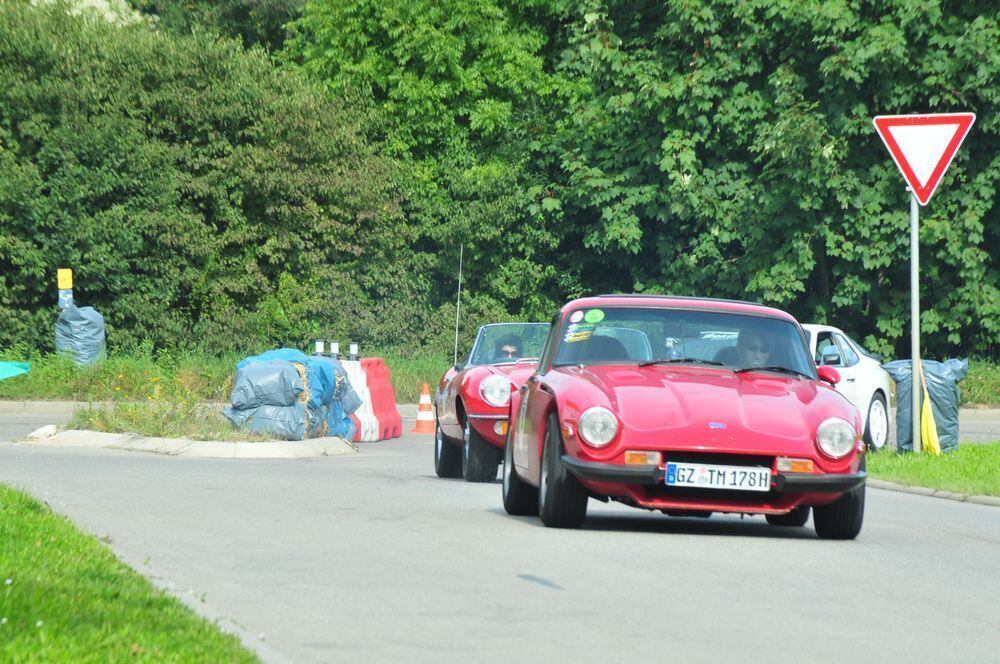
(831,358)
(459,366)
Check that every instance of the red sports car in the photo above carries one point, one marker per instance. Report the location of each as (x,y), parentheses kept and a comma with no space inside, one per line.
(685,405)
(473,399)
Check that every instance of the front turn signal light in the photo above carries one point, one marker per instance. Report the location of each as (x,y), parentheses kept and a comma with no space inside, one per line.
(633,458)
(789,465)
(500,428)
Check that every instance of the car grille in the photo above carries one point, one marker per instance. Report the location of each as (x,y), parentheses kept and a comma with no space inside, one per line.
(720,459)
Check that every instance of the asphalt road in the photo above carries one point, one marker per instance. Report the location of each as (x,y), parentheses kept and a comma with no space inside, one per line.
(371,558)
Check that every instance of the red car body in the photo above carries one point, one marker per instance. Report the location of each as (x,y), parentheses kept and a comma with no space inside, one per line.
(467,423)
(698,416)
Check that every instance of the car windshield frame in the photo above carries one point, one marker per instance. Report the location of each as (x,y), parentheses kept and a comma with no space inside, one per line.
(481,339)
(807,366)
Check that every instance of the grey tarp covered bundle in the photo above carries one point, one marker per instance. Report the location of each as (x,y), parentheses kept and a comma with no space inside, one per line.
(80,331)
(942,385)
(270,396)
(267,384)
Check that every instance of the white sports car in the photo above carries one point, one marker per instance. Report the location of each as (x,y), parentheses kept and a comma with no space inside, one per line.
(863,381)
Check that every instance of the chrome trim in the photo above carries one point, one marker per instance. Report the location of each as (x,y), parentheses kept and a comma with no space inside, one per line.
(486,417)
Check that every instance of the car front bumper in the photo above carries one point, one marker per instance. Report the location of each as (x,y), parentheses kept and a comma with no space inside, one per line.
(645,486)
(784,482)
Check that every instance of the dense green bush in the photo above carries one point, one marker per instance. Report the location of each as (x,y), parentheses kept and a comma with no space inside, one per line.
(714,147)
(202,196)
(215,197)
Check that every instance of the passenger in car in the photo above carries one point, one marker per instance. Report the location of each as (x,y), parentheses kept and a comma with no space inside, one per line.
(752,349)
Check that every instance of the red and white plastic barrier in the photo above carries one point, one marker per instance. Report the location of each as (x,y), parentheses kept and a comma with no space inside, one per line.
(363,417)
(378,417)
(383,398)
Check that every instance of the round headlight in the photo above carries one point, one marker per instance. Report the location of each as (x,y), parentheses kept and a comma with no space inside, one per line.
(495,391)
(598,426)
(836,437)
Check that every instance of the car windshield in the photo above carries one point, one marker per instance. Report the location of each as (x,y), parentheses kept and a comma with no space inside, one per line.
(508,342)
(651,335)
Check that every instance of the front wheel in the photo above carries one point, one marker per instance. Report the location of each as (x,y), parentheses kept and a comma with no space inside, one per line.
(877,428)
(480,460)
(447,458)
(519,497)
(842,519)
(562,500)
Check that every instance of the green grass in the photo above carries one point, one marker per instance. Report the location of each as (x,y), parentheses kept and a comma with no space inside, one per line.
(164,418)
(66,598)
(178,376)
(981,387)
(971,469)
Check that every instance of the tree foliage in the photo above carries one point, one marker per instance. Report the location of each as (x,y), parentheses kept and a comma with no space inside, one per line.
(726,148)
(200,194)
(704,147)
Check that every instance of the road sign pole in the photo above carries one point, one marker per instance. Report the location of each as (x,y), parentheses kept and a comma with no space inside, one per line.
(915,316)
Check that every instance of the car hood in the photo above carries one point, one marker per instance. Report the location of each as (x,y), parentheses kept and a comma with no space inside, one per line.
(703,408)
(517,373)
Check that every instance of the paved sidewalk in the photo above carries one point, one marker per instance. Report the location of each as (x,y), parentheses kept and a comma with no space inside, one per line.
(202,449)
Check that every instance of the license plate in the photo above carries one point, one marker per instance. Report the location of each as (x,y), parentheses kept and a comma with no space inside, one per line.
(708,476)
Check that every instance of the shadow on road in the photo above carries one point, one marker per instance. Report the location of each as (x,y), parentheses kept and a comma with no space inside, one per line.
(665,525)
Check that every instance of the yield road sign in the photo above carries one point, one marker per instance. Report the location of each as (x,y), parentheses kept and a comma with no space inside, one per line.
(923,146)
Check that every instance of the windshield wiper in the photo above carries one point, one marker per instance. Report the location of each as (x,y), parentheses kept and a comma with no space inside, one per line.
(774,368)
(681,360)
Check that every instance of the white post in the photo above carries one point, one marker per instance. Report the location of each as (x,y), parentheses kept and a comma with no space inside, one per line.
(319,347)
(458,301)
(915,316)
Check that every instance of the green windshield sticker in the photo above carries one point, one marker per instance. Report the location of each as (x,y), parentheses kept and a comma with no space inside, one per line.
(578,332)
(594,316)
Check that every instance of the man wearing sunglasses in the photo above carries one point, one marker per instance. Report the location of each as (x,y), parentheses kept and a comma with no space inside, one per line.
(508,348)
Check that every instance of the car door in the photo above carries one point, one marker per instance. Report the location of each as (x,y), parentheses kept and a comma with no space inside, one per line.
(535,398)
(828,343)
(852,373)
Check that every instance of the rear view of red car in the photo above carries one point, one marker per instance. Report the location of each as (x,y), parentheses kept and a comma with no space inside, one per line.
(688,406)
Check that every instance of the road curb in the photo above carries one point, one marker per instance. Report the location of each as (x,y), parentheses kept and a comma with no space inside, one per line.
(201,449)
(993,501)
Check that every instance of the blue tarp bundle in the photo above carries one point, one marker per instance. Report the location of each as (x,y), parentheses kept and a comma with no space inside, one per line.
(267,389)
(80,332)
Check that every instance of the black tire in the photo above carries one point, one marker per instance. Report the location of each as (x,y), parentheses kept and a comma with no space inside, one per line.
(562,500)
(480,460)
(519,497)
(794,519)
(842,519)
(871,441)
(447,457)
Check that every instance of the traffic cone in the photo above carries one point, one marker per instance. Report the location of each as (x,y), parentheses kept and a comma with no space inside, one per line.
(425,412)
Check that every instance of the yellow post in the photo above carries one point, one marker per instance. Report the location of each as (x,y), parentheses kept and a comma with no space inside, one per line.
(64,276)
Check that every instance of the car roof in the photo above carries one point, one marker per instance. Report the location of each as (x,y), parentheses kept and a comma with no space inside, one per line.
(678,302)
(816,327)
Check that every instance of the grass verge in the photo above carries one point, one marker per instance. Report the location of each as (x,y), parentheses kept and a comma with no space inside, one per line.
(66,598)
(971,469)
(981,386)
(179,376)
(162,418)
